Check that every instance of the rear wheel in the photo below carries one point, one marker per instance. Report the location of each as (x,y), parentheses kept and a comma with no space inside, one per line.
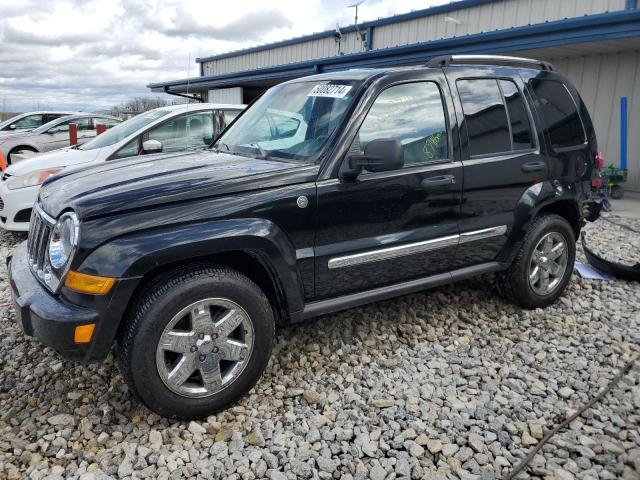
(198,341)
(542,269)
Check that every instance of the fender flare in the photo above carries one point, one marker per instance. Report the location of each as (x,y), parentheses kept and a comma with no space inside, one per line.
(136,254)
(537,197)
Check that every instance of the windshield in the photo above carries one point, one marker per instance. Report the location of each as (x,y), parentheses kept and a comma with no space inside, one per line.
(123,130)
(291,121)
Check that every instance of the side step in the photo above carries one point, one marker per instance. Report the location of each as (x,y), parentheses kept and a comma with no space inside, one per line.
(352,300)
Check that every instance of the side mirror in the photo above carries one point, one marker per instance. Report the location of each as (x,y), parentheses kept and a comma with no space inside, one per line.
(53,130)
(381,155)
(12,127)
(152,146)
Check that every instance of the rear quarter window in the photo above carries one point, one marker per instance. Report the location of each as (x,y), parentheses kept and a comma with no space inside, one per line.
(559,112)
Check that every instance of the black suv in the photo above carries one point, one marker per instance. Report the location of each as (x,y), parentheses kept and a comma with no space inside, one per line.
(329,192)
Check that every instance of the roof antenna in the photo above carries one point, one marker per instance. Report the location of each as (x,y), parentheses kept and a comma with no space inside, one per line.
(359,35)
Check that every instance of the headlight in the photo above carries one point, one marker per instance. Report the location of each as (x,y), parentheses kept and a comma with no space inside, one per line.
(31,179)
(63,240)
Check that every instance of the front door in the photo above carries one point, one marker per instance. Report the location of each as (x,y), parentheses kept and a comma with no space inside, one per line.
(501,156)
(388,227)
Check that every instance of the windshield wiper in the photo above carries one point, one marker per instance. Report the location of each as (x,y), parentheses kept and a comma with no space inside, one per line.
(217,148)
(263,152)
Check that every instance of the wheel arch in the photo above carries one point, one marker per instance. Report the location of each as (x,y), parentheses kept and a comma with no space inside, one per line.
(24,146)
(539,199)
(255,247)
(250,264)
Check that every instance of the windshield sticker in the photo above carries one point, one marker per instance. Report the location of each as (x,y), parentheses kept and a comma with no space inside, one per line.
(328,90)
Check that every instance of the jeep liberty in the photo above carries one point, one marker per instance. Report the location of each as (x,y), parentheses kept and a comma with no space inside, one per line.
(329,192)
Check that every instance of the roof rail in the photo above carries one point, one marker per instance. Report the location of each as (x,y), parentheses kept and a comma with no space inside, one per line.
(446,60)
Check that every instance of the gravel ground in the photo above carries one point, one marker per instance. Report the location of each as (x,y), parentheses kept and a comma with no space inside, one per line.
(450,383)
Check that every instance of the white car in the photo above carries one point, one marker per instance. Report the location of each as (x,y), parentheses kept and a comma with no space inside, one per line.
(30,120)
(53,135)
(165,129)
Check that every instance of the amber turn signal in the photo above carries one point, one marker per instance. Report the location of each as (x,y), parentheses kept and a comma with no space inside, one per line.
(91,284)
(83,333)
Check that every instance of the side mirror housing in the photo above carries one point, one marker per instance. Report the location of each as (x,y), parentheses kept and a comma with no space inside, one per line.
(152,146)
(53,130)
(12,126)
(380,155)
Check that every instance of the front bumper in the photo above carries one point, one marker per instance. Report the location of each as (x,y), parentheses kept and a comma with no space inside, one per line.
(14,201)
(52,319)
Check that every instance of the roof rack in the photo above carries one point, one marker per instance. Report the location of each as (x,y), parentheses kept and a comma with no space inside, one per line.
(446,60)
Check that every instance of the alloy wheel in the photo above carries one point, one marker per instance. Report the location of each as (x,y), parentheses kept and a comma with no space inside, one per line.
(205,347)
(548,263)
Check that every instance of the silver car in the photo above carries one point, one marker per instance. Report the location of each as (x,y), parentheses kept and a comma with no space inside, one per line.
(31,120)
(53,135)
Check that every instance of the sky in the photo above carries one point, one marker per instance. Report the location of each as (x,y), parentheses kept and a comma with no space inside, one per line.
(91,55)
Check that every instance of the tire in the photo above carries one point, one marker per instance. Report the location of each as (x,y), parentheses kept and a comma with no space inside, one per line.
(18,150)
(617,192)
(217,293)
(514,284)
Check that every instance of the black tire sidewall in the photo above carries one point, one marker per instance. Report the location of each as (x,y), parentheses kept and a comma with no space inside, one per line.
(148,385)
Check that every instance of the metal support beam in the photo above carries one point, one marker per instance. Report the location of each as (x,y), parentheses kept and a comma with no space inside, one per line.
(623,133)
(369,39)
(193,96)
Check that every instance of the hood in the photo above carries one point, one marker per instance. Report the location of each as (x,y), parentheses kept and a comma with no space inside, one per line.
(64,157)
(132,183)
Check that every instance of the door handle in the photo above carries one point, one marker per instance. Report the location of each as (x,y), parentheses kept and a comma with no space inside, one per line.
(534,167)
(438,181)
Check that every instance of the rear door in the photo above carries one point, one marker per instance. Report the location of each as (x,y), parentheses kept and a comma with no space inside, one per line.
(388,227)
(501,156)
(55,137)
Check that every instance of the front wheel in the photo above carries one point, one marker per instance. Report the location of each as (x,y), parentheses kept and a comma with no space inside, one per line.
(196,342)
(542,269)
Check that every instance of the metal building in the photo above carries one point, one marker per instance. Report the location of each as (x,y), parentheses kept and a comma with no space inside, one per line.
(596,43)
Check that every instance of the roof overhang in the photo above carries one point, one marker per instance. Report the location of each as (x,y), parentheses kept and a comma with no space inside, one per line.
(592,29)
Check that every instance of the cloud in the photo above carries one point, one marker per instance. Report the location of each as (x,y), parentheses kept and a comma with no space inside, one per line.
(251,26)
(93,54)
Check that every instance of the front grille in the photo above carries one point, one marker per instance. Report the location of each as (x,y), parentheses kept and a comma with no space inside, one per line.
(1,204)
(37,244)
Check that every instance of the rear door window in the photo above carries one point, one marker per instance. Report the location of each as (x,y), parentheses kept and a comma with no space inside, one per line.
(560,113)
(48,117)
(229,116)
(485,116)
(518,116)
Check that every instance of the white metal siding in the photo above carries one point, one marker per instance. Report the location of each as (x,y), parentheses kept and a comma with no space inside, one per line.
(488,17)
(298,52)
(602,80)
(225,95)
(492,16)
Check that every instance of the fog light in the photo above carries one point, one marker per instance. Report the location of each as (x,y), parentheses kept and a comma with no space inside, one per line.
(83,333)
(91,284)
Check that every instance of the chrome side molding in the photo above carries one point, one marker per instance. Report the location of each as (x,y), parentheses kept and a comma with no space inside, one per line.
(414,248)
(484,233)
